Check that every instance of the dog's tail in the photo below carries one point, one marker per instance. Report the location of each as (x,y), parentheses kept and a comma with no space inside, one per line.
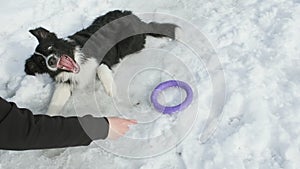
(162,30)
(155,29)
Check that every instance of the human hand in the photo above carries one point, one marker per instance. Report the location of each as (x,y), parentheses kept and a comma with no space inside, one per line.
(118,127)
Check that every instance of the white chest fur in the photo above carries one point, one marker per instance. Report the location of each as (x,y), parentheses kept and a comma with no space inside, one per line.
(87,73)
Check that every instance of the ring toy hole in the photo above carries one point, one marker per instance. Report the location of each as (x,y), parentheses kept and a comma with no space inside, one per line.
(171,109)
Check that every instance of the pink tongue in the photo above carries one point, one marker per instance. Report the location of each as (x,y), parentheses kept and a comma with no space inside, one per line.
(67,63)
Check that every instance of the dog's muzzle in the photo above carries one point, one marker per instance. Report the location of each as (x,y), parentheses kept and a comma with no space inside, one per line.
(63,62)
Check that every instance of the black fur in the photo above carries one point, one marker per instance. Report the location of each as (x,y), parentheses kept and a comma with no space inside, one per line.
(36,63)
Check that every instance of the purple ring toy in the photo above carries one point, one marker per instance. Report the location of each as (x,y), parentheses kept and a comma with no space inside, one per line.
(172,83)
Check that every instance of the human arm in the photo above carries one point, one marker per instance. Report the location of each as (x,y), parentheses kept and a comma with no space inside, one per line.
(21,130)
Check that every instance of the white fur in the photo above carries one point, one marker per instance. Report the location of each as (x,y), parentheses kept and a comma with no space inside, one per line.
(179,34)
(106,77)
(86,74)
(80,80)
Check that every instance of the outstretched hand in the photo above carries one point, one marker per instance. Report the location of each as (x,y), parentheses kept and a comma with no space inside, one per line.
(118,127)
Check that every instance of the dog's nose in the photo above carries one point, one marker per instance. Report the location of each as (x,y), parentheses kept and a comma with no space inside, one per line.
(52,61)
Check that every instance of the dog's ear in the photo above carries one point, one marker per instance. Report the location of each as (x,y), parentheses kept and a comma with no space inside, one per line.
(42,34)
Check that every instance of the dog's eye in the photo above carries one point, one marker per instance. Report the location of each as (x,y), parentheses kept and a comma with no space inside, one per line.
(50,48)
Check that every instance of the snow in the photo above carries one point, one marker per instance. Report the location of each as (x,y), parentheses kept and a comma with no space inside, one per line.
(257,44)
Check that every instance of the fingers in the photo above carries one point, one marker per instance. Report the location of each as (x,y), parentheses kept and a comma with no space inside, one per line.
(130,121)
(133,121)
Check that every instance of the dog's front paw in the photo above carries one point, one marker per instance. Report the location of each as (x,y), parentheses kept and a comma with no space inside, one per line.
(54,110)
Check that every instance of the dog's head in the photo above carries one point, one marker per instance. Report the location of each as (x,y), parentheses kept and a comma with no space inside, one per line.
(52,55)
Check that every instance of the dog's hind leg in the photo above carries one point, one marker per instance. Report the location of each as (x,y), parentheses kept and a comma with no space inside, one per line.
(105,75)
(60,97)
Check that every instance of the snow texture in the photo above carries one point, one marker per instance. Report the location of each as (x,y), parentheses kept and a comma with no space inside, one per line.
(257,43)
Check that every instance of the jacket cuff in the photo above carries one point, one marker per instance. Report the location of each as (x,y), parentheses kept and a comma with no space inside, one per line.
(95,127)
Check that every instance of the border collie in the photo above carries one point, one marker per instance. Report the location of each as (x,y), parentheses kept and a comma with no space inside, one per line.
(73,67)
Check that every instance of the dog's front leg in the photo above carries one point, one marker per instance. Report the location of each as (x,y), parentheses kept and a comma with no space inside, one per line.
(106,77)
(60,97)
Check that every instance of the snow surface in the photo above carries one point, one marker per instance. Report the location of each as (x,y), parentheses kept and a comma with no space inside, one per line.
(257,43)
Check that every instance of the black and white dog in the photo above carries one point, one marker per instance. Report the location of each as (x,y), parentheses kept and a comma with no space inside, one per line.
(72,67)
